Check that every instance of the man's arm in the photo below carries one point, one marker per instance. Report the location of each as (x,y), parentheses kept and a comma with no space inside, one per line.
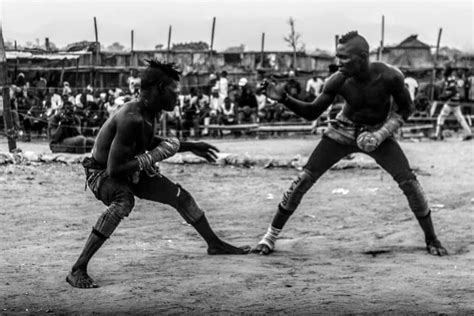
(121,161)
(309,110)
(401,96)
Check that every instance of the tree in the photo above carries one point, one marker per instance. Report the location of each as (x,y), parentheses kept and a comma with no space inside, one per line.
(294,40)
(115,47)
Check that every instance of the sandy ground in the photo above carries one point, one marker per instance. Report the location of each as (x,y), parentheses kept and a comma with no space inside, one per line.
(353,246)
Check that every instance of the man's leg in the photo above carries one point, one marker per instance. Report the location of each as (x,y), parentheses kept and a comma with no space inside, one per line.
(161,189)
(391,157)
(467,130)
(120,200)
(445,111)
(327,153)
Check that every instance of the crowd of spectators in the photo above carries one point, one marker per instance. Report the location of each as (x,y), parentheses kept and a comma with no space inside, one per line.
(38,108)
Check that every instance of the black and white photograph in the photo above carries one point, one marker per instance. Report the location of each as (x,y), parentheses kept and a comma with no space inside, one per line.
(236,157)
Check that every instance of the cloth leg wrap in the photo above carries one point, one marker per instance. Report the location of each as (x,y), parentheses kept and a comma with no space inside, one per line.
(416,197)
(270,237)
(187,207)
(116,211)
(292,197)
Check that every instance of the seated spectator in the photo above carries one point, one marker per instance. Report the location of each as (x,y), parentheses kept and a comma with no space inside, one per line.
(65,134)
(263,106)
(35,119)
(110,106)
(201,102)
(190,112)
(293,87)
(66,89)
(228,115)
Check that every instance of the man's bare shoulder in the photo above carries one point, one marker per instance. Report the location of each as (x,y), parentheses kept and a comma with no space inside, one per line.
(129,115)
(387,70)
(334,83)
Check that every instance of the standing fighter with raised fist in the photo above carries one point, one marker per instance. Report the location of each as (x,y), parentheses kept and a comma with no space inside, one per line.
(366,124)
(123,165)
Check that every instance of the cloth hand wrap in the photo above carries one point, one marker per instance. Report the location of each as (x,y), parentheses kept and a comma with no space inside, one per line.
(370,141)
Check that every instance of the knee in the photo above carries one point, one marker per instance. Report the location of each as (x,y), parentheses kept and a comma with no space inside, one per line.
(415,196)
(123,204)
(187,206)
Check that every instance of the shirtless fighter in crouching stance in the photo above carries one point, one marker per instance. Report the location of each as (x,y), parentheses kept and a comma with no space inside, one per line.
(122,166)
(365,124)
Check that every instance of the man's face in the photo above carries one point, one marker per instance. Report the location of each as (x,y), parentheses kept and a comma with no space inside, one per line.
(166,96)
(349,59)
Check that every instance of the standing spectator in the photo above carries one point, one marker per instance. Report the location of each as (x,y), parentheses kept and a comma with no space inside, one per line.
(247,103)
(452,97)
(223,87)
(471,87)
(412,86)
(314,87)
(134,82)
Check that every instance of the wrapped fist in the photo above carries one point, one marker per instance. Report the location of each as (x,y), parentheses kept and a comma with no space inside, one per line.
(368,141)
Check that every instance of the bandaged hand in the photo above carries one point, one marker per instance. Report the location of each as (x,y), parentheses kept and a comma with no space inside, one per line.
(370,141)
(147,161)
(167,148)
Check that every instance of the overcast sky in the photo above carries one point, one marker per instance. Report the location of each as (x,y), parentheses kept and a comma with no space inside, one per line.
(237,21)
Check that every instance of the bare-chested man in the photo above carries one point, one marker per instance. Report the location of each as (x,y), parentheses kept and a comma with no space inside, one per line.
(123,165)
(366,124)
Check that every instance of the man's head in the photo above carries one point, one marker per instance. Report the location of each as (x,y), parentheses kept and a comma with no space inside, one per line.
(352,53)
(159,85)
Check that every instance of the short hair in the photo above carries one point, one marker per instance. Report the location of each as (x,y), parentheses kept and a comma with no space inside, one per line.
(348,36)
(159,73)
(354,36)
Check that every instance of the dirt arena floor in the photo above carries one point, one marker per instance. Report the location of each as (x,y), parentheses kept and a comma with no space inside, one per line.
(353,246)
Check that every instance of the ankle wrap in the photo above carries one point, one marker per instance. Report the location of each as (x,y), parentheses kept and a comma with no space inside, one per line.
(270,238)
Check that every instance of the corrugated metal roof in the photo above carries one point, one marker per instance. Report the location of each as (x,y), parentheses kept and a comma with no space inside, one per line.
(47,56)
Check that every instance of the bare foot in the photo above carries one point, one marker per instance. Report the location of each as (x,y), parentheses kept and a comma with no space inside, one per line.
(262,249)
(80,279)
(226,249)
(435,248)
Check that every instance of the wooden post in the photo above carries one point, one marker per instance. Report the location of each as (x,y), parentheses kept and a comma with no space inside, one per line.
(7,115)
(61,78)
(435,64)
(212,39)
(46,44)
(76,75)
(169,45)
(97,50)
(379,57)
(262,52)
(97,54)
(337,42)
(131,49)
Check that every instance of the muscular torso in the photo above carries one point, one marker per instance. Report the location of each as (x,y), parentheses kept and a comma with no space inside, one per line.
(138,138)
(367,102)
